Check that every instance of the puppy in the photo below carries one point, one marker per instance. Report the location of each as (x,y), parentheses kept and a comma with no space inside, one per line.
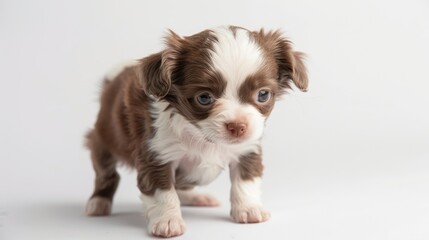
(181,116)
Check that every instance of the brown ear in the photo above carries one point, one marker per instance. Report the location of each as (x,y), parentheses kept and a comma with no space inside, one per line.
(151,77)
(299,71)
(154,72)
(290,63)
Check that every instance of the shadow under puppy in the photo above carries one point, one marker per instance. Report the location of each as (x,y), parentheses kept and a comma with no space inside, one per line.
(184,114)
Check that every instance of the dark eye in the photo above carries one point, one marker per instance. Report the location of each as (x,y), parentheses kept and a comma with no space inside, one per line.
(264,95)
(205,98)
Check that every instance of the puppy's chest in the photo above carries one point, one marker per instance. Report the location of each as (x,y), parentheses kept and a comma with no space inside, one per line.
(195,160)
(200,168)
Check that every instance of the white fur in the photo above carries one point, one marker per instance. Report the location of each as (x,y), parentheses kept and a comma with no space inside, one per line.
(119,68)
(230,111)
(162,211)
(176,140)
(246,205)
(245,191)
(235,57)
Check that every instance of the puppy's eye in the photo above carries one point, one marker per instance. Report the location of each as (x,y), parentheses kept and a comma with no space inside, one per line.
(264,95)
(205,98)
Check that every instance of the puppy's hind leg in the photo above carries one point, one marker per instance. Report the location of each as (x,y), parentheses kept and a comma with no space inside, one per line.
(196,199)
(106,178)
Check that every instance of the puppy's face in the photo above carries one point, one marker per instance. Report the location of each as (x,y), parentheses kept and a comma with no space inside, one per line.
(224,81)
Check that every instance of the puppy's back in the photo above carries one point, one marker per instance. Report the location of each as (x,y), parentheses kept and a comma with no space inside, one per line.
(121,104)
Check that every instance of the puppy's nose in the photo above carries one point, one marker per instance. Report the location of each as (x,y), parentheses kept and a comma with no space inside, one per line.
(236,129)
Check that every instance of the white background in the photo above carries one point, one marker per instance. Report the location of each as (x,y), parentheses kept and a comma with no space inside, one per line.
(347,160)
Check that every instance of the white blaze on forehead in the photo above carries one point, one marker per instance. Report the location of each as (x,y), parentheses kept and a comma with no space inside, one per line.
(236,57)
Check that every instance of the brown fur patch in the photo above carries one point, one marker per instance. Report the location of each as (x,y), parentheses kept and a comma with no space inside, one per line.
(290,63)
(104,164)
(250,166)
(154,79)
(193,74)
(122,128)
(152,175)
(249,90)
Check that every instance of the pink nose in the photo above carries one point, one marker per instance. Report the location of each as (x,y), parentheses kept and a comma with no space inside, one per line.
(236,129)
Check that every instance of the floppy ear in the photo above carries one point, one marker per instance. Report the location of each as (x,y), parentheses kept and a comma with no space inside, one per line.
(151,77)
(290,63)
(298,73)
(154,72)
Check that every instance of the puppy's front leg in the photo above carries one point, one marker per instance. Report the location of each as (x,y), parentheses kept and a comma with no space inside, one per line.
(160,201)
(246,205)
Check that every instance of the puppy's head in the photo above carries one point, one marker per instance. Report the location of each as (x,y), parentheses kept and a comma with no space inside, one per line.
(224,81)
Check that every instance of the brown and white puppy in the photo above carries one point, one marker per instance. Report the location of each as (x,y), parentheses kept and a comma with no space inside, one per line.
(184,114)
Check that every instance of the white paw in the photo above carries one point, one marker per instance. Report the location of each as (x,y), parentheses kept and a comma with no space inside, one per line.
(203,200)
(98,206)
(198,200)
(249,214)
(167,226)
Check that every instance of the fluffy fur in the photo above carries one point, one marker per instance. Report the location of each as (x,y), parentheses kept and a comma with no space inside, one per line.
(154,117)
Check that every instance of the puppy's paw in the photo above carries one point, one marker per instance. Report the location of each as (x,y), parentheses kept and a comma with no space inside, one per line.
(203,200)
(167,226)
(249,214)
(191,198)
(98,206)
